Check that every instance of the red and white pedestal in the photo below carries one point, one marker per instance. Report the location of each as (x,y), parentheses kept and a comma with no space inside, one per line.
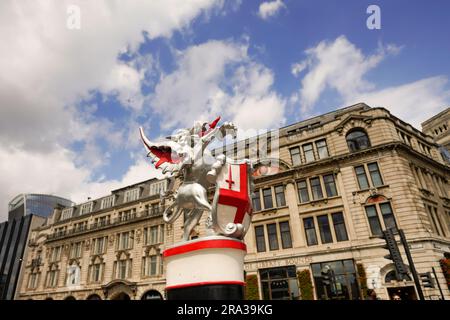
(209,268)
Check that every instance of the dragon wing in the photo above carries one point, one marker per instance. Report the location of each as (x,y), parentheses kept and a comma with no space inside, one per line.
(162,154)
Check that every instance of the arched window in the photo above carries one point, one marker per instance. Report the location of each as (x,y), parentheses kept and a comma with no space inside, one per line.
(357,140)
(391,275)
(152,295)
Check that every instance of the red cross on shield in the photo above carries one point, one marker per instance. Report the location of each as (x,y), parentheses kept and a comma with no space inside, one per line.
(231,208)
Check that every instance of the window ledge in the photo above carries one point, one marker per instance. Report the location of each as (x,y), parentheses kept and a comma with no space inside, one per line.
(384,186)
(156,276)
(265,211)
(314,202)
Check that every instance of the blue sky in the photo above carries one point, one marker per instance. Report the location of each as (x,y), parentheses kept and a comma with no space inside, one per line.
(79,95)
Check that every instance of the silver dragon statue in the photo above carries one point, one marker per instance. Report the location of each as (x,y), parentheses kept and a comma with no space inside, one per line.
(185,156)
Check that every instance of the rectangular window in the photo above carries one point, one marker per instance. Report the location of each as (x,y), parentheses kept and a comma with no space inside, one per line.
(56,254)
(102,221)
(161,264)
(362,178)
(309,152)
(339,226)
(267,195)
(32,282)
(286,241)
(153,209)
(107,202)
(161,233)
(150,265)
(433,220)
(303,191)
(95,272)
(256,201)
(439,221)
(153,234)
(316,188)
(273,236)
(295,156)
(52,279)
(153,265)
(436,221)
(324,229)
(66,213)
(374,222)
(260,239)
(86,208)
(81,226)
(127,215)
(330,185)
(75,250)
(310,231)
(375,174)
(388,216)
(158,187)
(131,195)
(279,195)
(124,241)
(122,269)
(99,245)
(322,149)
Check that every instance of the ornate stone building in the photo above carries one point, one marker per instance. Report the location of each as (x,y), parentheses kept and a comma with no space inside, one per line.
(438,127)
(340,179)
(108,248)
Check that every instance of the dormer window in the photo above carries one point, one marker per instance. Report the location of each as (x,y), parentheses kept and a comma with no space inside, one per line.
(66,213)
(131,195)
(158,187)
(86,208)
(107,202)
(357,140)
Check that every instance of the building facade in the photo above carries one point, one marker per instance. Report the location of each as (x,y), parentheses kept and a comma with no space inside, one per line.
(25,212)
(338,181)
(438,127)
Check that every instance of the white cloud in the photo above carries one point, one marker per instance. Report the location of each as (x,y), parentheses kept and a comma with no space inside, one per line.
(45,66)
(270,8)
(412,102)
(297,68)
(341,66)
(218,78)
(47,69)
(337,65)
(55,173)
(124,82)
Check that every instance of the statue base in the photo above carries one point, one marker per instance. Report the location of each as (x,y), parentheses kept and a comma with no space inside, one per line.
(209,268)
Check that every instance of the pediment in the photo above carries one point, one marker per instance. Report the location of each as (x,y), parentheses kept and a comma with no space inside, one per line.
(353,121)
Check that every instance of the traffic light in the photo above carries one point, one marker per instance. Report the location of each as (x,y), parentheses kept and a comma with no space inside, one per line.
(394,254)
(326,275)
(427,280)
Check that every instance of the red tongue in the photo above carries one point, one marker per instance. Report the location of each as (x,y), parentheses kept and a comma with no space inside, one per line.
(164,155)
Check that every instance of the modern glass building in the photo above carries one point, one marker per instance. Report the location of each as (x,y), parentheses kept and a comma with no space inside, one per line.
(38,204)
(25,212)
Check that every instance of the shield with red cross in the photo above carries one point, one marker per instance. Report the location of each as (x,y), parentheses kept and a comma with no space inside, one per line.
(231,209)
